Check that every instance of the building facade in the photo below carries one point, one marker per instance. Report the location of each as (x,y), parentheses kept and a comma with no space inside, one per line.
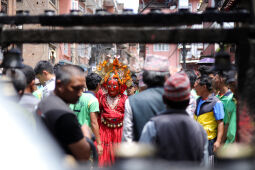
(79,54)
(32,53)
(8,7)
(170,51)
(221,5)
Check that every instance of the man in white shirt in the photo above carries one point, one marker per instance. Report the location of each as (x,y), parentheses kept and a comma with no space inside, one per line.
(44,72)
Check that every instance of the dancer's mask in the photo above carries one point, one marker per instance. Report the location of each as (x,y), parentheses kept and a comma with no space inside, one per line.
(113,87)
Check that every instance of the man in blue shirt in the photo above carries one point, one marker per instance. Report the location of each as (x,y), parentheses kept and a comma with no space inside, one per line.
(209,113)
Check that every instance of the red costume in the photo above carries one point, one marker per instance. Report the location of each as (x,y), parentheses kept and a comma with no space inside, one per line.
(110,126)
(112,106)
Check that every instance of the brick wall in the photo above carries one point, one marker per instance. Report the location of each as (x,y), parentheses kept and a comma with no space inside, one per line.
(32,53)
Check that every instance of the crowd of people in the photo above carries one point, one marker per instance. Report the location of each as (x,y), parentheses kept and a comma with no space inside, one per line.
(187,116)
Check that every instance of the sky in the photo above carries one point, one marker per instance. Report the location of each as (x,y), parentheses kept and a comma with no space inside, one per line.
(133,4)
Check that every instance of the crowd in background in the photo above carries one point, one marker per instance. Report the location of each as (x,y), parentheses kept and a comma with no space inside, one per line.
(187,115)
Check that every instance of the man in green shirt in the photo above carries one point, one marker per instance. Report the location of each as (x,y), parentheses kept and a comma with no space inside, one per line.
(87,108)
(226,97)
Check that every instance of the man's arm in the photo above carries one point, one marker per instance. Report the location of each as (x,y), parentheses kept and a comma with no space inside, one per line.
(219,116)
(148,135)
(219,135)
(128,131)
(94,110)
(80,150)
(70,133)
(86,131)
(95,129)
(224,137)
(226,120)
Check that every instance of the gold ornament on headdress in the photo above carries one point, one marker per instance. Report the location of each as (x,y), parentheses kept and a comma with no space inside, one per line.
(115,70)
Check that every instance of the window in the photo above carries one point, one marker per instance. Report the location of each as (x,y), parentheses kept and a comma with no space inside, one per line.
(65,49)
(147,50)
(75,5)
(81,50)
(190,7)
(183,4)
(4,6)
(161,47)
(52,55)
(81,9)
(53,1)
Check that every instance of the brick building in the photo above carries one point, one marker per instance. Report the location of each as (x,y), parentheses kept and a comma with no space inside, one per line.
(76,53)
(170,51)
(222,5)
(32,53)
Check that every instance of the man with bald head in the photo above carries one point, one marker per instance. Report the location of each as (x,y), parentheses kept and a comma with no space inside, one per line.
(59,118)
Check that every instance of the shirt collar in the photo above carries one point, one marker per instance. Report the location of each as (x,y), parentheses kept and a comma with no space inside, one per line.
(49,81)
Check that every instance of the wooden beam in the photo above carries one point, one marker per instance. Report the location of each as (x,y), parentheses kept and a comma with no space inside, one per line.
(126,35)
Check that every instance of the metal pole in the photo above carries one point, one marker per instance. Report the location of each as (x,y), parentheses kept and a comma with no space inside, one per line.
(184,53)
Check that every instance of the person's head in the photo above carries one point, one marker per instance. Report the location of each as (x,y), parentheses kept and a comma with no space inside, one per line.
(44,71)
(93,82)
(135,84)
(203,85)
(55,67)
(132,89)
(134,78)
(18,79)
(70,82)
(192,77)
(113,87)
(154,78)
(177,91)
(219,79)
(205,70)
(232,80)
(30,77)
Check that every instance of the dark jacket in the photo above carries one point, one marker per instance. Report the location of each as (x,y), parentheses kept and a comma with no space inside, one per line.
(178,137)
(146,105)
(206,116)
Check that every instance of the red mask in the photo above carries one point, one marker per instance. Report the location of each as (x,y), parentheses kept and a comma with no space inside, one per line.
(113,88)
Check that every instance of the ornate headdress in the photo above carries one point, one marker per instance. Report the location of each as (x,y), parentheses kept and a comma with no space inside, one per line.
(115,70)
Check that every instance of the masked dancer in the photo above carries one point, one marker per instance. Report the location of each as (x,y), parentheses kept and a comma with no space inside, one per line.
(117,78)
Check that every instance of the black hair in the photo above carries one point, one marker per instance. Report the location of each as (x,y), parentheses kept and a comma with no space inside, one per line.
(29,73)
(64,73)
(134,77)
(192,77)
(18,79)
(154,79)
(56,67)
(206,80)
(181,105)
(43,65)
(205,70)
(135,81)
(231,76)
(92,81)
